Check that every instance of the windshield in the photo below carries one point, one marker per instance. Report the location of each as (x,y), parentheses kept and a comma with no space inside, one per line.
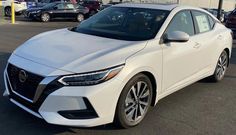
(49,5)
(134,24)
(45,1)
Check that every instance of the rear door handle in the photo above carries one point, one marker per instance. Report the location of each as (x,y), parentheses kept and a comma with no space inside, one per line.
(197,45)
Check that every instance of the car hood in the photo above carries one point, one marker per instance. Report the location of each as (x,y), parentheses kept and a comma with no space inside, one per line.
(76,52)
(34,9)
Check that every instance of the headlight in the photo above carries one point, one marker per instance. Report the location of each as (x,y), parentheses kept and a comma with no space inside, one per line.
(92,78)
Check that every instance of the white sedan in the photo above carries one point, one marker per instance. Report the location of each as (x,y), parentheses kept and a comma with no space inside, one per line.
(117,64)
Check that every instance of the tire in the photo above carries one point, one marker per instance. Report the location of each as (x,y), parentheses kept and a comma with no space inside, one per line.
(127,115)
(45,17)
(7,11)
(80,17)
(221,67)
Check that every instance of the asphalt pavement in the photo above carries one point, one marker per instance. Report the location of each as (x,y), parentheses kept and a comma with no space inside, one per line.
(200,109)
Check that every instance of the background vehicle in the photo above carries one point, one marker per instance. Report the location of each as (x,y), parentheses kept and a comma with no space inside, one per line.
(20,7)
(226,15)
(92,5)
(108,5)
(215,12)
(59,10)
(231,22)
(42,3)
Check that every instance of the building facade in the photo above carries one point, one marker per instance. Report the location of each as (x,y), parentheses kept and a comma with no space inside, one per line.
(228,5)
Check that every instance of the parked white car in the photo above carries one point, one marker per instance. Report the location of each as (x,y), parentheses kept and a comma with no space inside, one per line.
(20,7)
(117,64)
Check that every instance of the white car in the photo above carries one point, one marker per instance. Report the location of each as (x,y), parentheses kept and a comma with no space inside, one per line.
(20,7)
(117,64)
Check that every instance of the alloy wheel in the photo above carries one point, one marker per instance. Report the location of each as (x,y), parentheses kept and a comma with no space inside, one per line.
(137,102)
(80,17)
(8,11)
(45,17)
(222,65)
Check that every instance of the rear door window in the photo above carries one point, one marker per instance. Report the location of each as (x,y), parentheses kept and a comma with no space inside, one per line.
(60,6)
(202,23)
(69,6)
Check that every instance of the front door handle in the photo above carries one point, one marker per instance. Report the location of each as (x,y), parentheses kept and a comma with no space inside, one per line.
(197,45)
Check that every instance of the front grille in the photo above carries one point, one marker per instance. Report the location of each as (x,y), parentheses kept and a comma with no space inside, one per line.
(26,88)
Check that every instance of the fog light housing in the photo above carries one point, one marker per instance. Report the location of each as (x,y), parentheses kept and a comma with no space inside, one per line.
(88,113)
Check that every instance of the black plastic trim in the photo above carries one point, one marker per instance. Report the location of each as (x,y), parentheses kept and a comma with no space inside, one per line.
(88,113)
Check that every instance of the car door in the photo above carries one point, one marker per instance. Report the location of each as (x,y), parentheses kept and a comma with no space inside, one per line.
(207,39)
(180,59)
(70,11)
(58,10)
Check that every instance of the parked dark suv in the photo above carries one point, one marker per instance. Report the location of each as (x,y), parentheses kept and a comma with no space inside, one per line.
(231,22)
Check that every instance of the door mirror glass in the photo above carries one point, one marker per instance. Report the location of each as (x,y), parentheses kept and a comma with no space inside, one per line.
(176,36)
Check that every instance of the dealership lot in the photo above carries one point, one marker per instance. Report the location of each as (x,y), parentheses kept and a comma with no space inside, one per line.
(202,108)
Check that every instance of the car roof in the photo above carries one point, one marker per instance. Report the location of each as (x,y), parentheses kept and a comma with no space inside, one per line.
(167,7)
(62,2)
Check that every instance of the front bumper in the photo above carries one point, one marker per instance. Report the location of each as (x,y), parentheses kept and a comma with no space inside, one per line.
(56,100)
(32,15)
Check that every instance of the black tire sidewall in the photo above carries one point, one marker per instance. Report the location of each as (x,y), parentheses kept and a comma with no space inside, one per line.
(5,11)
(120,118)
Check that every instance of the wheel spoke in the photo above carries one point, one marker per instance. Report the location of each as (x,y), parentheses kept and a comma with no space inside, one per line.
(144,88)
(130,107)
(141,110)
(218,70)
(129,100)
(223,61)
(136,113)
(138,88)
(144,95)
(143,103)
(220,60)
(130,115)
(134,93)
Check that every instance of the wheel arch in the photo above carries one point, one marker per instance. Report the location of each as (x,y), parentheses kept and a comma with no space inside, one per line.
(7,7)
(228,53)
(154,85)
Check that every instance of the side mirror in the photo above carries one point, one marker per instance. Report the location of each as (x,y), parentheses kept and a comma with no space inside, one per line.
(176,36)
(55,8)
